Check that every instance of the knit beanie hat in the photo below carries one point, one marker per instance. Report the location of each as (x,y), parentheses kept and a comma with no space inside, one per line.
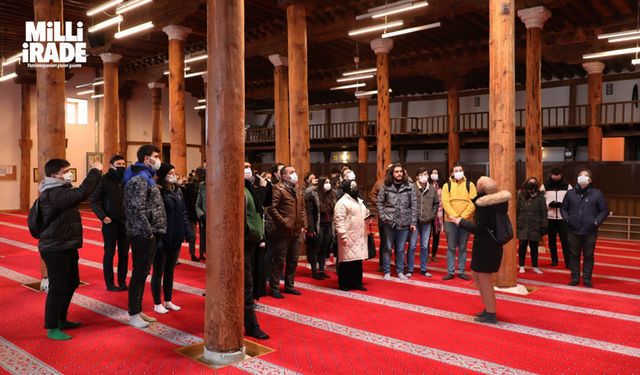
(487,185)
(163,171)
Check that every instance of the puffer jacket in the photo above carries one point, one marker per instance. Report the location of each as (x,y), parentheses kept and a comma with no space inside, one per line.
(143,204)
(59,208)
(287,211)
(458,202)
(349,217)
(531,217)
(428,203)
(178,227)
(584,210)
(398,207)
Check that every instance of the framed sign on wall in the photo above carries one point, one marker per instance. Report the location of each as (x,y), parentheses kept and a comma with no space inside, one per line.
(93,156)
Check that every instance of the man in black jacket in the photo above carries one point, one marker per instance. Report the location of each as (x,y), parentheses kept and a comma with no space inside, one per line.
(107,203)
(61,238)
(584,209)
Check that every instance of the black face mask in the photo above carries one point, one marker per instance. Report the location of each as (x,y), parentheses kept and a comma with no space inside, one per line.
(119,172)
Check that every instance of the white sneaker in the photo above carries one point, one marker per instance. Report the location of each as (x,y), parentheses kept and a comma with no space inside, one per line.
(408,275)
(386,276)
(160,309)
(169,305)
(137,321)
(536,270)
(521,270)
(44,285)
(427,274)
(401,276)
(148,318)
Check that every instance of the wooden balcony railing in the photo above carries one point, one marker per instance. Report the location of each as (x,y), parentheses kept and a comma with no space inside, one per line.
(260,135)
(620,113)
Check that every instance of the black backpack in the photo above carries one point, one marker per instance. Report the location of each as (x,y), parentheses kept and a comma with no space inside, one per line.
(34,220)
(504,230)
(468,185)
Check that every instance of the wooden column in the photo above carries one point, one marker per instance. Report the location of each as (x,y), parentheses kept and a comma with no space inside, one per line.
(383,137)
(534,19)
(111,101)
(225,211)
(122,127)
(281,108)
(454,84)
(502,117)
(363,117)
(594,69)
(177,123)
(25,148)
(156,113)
(50,95)
(298,90)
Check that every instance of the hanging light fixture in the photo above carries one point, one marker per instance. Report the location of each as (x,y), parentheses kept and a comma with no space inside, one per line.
(186,69)
(615,52)
(383,8)
(345,87)
(621,36)
(105,24)
(196,58)
(130,5)
(86,92)
(12,59)
(195,74)
(354,78)
(97,96)
(134,30)
(202,100)
(410,30)
(400,9)
(382,26)
(105,6)
(360,71)
(200,107)
(365,93)
(8,77)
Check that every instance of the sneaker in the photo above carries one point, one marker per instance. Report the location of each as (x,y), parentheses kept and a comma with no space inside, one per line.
(481,313)
(426,274)
(521,270)
(148,318)
(160,309)
(386,277)
(464,276)
(324,275)
(401,276)
(57,334)
(137,321)
(537,270)
(361,287)
(574,282)
(171,306)
(408,275)
(448,276)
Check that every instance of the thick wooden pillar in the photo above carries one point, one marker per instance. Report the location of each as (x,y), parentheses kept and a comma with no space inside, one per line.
(594,69)
(502,117)
(454,84)
(363,117)
(25,147)
(111,102)
(298,90)
(177,123)
(156,113)
(534,19)
(122,127)
(281,108)
(225,211)
(383,136)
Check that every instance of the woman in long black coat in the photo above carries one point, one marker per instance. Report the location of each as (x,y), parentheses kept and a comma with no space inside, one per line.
(486,253)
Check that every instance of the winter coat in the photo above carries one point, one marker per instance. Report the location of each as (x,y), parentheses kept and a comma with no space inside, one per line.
(349,217)
(584,210)
(201,201)
(531,217)
(554,195)
(398,207)
(190,194)
(59,209)
(458,202)
(486,252)
(178,226)
(312,206)
(287,211)
(108,198)
(427,201)
(143,204)
(373,196)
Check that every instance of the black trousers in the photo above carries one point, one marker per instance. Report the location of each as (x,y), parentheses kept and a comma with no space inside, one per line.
(559,227)
(522,252)
(203,235)
(192,243)
(115,236)
(383,242)
(350,275)
(585,245)
(318,247)
(435,240)
(164,264)
(285,254)
(250,249)
(64,279)
(143,251)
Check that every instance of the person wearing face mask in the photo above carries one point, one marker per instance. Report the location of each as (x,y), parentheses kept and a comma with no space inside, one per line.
(350,218)
(287,212)
(190,193)
(457,203)
(146,224)
(427,203)
(201,212)
(309,180)
(107,203)
(438,221)
(347,174)
(60,239)
(319,201)
(555,189)
(531,222)
(584,209)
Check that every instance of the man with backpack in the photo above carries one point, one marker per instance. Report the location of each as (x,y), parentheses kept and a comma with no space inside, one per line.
(457,201)
(59,229)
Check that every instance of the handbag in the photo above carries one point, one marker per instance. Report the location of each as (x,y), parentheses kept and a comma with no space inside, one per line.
(371,244)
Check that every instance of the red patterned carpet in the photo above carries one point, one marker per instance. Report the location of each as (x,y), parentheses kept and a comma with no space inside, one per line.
(423,325)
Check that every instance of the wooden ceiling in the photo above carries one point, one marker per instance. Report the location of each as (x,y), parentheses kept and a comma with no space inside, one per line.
(420,63)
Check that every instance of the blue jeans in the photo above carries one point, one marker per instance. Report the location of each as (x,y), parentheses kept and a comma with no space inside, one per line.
(397,237)
(456,238)
(425,232)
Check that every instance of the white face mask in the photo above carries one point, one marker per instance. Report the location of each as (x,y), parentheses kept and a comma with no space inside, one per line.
(68,177)
(458,175)
(248,173)
(350,176)
(327,186)
(293,178)
(434,177)
(156,164)
(173,179)
(583,180)
(423,180)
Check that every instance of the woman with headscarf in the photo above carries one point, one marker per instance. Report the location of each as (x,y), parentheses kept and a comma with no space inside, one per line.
(349,215)
(320,201)
(531,220)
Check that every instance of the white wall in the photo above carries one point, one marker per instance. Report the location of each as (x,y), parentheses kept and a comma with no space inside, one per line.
(9,150)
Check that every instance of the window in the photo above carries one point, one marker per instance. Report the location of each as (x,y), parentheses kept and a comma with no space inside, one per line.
(77,111)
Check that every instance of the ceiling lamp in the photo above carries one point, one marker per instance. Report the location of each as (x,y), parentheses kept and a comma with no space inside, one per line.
(354,78)
(360,71)
(352,86)
(616,52)
(200,107)
(383,8)
(619,34)
(365,93)
(133,30)
(97,96)
(402,8)
(411,30)
(10,60)
(130,5)
(105,24)
(8,77)
(105,6)
(202,100)
(624,38)
(195,74)
(86,92)
(635,61)
(186,69)
(379,27)
(196,58)
(97,83)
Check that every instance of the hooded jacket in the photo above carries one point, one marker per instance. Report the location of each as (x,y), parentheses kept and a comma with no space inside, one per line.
(584,210)
(178,227)
(108,198)
(143,204)
(458,202)
(428,202)
(59,208)
(398,206)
